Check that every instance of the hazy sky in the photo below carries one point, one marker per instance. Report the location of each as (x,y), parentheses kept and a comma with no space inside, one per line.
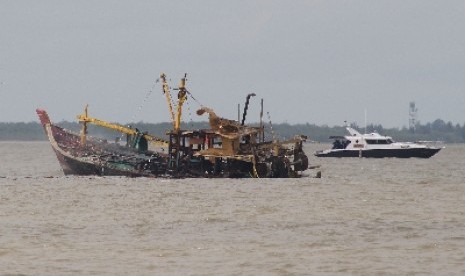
(319,61)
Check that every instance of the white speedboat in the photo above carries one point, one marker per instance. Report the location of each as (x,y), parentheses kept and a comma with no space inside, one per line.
(375,145)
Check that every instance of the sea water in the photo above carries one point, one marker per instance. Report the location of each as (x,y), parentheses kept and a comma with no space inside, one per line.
(363,217)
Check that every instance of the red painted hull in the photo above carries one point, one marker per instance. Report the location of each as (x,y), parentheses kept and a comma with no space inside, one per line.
(98,157)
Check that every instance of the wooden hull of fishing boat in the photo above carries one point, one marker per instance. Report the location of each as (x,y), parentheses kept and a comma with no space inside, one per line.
(75,159)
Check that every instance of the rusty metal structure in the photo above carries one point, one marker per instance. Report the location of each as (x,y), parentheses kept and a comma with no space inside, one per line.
(228,148)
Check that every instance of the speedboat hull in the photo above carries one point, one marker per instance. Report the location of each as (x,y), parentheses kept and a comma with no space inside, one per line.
(426,152)
(374,145)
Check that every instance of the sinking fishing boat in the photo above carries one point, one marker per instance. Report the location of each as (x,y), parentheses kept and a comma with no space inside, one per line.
(227,149)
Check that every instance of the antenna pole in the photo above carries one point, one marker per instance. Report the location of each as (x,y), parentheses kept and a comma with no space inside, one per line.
(365,120)
(262,129)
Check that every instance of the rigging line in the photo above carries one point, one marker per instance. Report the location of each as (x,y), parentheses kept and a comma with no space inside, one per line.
(190,114)
(189,93)
(191,121)
(139,109)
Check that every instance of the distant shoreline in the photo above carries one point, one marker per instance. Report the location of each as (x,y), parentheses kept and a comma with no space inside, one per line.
(435,131)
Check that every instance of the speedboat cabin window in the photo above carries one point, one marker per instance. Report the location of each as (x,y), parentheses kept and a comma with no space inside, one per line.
(379,141)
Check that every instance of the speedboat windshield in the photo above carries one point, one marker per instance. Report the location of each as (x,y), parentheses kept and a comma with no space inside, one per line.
(340,144)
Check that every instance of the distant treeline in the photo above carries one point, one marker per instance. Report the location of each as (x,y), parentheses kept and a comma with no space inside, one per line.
(435,131)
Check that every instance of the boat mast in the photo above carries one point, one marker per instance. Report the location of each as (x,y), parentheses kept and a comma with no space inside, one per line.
(182,97)
(174,148)
(262,130)
(84,127)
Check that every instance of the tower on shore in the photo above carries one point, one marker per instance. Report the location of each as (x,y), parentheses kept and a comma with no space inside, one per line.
(412,121)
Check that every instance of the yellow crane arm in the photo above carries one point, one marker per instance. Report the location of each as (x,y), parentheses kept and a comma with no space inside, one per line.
(85,119)
(166,91)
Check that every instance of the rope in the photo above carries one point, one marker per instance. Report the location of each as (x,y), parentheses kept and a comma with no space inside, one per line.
(189,93)
(139,109)
(190,114)
(189,108)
